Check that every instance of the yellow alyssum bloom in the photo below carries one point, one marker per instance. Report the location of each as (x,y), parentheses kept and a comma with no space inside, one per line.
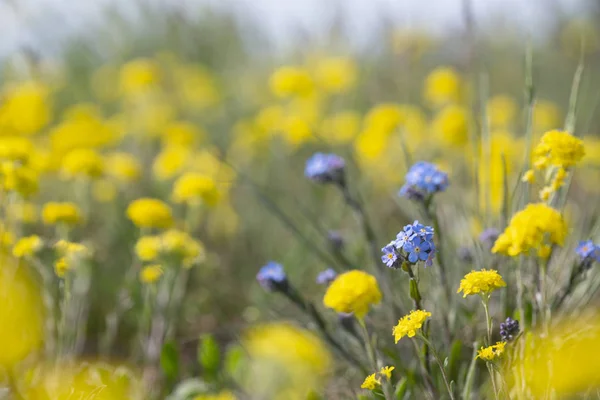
(443,86)
(336,74)
(341,128)
(61,266)
(384,117)
(124,167)
(26,108)
(371,382)
(70,254)
(289,81)
(138,76)
(82,163)
(387,371)
(27,246)
(151,273)
(284,362)
(174,243)
(410,324)
(150,213)
(18,178)
(501,111)
(61,213)
(171,161)
(451,125)
(533,228)
(182,133)
(148,248)
(353,292)
(195,188)
(492,352)
(559,149)
(481,282)
(14,148)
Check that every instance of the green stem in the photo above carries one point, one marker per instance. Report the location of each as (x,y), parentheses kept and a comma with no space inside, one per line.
(440,365)
(372,355)
(488,320)
(493,377)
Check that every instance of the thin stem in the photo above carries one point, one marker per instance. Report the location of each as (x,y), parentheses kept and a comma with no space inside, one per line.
(492,376)
(439,363)
(372,355)
(488,320)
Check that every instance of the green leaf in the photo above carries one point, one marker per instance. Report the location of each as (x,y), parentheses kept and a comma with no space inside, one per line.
(188,389)
(169,361)
(209,355)
(234,360)
(414,291)
(401,388)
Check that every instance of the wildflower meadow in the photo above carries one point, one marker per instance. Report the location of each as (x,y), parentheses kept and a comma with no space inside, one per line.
(191,213)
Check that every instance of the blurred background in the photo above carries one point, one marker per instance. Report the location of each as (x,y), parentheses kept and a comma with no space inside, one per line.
(243,92)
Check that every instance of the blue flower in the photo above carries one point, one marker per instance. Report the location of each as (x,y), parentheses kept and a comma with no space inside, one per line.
(401,239)
(588,251)
(272,277)
(417,250)
(325,168)
(389,257)
(423,179)
(425,232)
(326,277)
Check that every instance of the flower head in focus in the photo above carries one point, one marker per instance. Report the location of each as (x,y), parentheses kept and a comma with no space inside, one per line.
(536,227)
(481,282)
(492,352)
(353,292)
(422,180)
(410,324)
(61,213)
(326,277)
(390,257)
(272,277)
(371,382)
(414,243)
(559,149)
(325,168)
(150,213)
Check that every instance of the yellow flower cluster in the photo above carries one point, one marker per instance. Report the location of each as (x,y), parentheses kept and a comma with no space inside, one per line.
(492,352)
(481,282)
(353,292)
(27,246)
(151,273)
(61,213)
(194,188)
(70,255)
(536,227)
(443,86)
(174,243)
(410,324)
(373,381)
(82,163)
(123,167)
(150,213)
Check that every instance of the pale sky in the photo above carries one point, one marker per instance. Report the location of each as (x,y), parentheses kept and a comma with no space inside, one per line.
(46,21)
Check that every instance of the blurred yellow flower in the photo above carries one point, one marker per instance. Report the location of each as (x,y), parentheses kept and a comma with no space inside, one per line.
(27,246)
(194,189)
(410,324)
(82,163)
(384,117)
(196,86)
(289,81)
(353,292)
(501,111)
(224,395)
(21,313)
(138,76)
(443,86)
(341,128)
(151,273)
(451,125)
(171,161)
(123,166)
(336,75)
(533,228)
(546,116)
(492,352)
(148,248)
(482,282)
(285,362)
(183,133)
(25,108)
(14,148)
(18,178)
(61,213)
(150,213)
(270,119)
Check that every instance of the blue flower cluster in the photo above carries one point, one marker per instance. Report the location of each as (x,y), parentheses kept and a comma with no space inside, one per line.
(325,168)
(413,243)
(326,277)
(423,179)
(272,277)
(588,251)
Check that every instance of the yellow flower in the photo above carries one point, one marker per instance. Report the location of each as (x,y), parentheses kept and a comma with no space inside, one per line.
(61,266)
(341,128)
(387,372)
(56,213)
(501,111)
(285,362)
(176,242)
(195,188)
(16,149)
(443,86)
(490,353)
(529,176)
(336,75)
(71,254)
(151,273)
(410,324)
(353,292)
(18,178)
(224,395)
(21,310)
(150,213)
(481,282)
(182,133)
(384,117)
(196,86)
(123,167)
(371,382)
(533,228)
(82,163)
(138,76)
(27,246)
(148,248)
(25,108)
(171,161)
(451,125)
(289,81)
(559,149)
